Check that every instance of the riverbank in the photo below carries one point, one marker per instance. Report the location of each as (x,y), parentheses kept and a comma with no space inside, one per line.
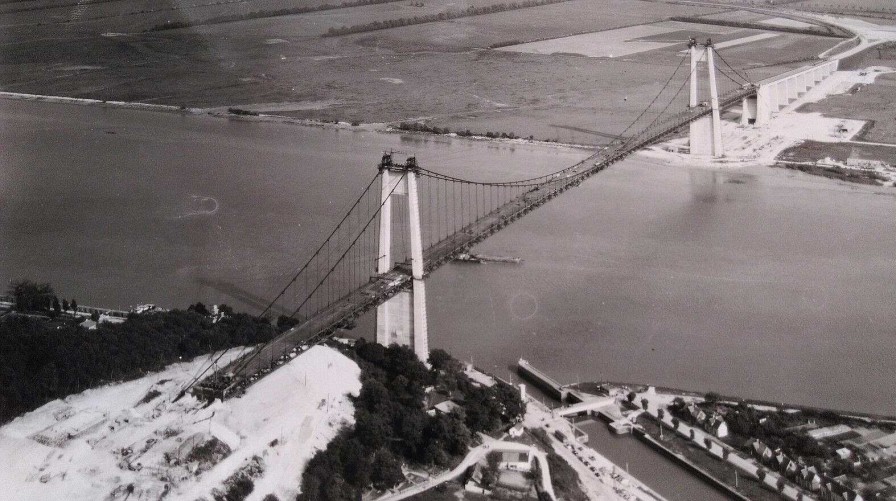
(236,113)
(99,102)
(595,387)
(699,439)
(765,451)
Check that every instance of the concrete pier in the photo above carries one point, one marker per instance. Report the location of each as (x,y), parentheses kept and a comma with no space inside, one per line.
(777,92)
(402,319)
(541,380)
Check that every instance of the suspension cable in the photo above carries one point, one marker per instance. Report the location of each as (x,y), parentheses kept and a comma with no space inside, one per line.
(319,249)
(257,351)
(680,63)
(742,76)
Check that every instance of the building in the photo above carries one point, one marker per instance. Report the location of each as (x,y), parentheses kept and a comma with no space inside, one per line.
(697,413)
(717,426)
(516,460)
(446,407)
(762,451)
(809,479)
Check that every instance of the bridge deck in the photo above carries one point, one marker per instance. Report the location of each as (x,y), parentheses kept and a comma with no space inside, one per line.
(245,370)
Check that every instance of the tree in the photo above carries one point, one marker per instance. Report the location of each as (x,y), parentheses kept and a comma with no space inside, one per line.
(31,296)
(56,306)
(707,442)
(712,398)
(372,428)
(678,404)
(199,308)
(661,413)
(386,471)
(631,397)
(760,474)
(490,472)
(725,453)
(284,323)
(95,316)
(441,360)
(356,462)
(65,306)
(675,422)
(337,488)
(692,434)
(508,398)
(645,403)
(74,305)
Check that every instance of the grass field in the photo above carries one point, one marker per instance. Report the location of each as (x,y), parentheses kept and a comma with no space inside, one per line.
(811,151)
(869,102)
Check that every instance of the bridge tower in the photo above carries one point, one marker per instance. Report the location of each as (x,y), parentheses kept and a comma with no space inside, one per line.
(402,319)
(706,132)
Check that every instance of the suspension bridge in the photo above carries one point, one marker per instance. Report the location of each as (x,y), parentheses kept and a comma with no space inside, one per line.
(410,220)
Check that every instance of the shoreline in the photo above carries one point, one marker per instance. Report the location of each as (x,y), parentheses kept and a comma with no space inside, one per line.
(733,398)
(216,112)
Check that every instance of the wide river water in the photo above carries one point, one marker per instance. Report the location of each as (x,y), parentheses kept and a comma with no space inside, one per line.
(759,282)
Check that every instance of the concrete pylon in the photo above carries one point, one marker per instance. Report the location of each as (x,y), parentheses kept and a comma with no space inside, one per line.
(706,132)
(717,150)
(700,129)
(402,319)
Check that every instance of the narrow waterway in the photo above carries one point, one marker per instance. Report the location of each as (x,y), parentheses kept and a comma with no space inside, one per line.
(655,470)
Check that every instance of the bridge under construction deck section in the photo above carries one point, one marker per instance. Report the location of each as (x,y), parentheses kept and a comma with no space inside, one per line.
(354,271)
(522,197)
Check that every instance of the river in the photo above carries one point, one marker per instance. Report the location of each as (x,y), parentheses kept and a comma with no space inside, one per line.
(759,282)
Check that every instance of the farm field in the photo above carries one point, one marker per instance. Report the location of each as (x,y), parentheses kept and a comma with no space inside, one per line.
(439,72)
(314,24)
(502,29)
(614,43)
(845,4)
(136,15)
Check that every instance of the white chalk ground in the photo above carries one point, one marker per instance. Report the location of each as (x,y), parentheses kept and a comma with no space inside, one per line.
(72,449)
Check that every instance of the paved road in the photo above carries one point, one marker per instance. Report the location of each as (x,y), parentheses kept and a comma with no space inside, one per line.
(475,455)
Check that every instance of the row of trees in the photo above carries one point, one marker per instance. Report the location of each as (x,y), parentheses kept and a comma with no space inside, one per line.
(825,31)
(392,426)
(30,296)
(441,16)
(259,14)
(421,127)
(43,360)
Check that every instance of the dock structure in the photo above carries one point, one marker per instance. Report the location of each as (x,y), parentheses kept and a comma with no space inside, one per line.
(541,380)
(586,406)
